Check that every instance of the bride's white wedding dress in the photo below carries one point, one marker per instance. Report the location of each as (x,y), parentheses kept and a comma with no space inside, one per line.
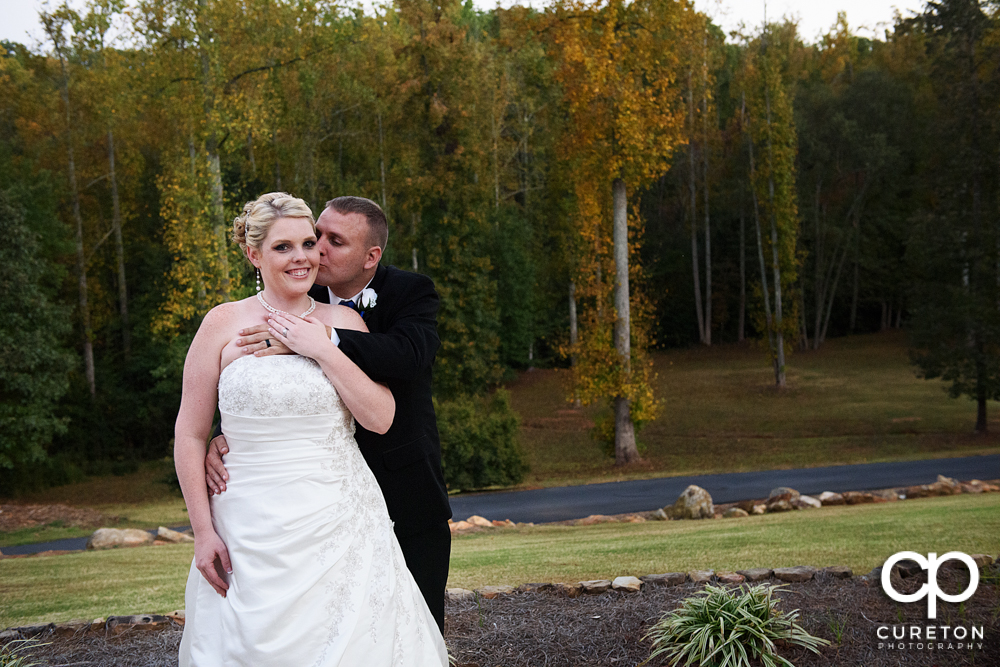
(318,577)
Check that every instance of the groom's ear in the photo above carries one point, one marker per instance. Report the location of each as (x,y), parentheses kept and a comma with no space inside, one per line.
(373,258)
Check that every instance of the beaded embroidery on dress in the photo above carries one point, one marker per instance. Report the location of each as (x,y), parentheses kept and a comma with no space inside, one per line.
(318,577)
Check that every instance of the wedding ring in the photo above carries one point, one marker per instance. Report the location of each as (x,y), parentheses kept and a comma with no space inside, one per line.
(285,333)
(267,341)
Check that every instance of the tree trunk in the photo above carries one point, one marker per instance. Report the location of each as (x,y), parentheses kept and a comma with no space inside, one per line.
(776,268)
(857,261)
(694,218)
(250,155)
(212,150)
(116,225)
(760,246)
(81,258)
(741,327)
(277,163)
(381,164)
(708,227)
(573,334)
(625,447)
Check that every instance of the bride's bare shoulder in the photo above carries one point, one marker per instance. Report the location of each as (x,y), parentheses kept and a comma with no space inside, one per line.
(339,317)
(225,316)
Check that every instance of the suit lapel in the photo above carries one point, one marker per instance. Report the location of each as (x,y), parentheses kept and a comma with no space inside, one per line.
(377,283)
(320,293)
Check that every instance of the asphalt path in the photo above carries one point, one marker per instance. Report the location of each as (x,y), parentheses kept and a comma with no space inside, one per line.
(574,502)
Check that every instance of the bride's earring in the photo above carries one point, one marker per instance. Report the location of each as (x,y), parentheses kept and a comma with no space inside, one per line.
(258,280)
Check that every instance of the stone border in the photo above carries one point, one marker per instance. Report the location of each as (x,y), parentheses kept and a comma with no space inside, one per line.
(630,584)
(626,584)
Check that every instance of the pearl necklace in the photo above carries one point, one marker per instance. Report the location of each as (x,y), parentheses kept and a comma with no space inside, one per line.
(270,308)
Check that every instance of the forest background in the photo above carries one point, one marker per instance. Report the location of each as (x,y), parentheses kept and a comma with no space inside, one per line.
(584,183)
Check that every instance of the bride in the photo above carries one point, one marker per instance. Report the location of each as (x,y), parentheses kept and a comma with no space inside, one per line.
(297,563)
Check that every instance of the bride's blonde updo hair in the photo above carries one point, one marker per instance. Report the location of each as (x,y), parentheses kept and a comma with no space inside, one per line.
(250,228)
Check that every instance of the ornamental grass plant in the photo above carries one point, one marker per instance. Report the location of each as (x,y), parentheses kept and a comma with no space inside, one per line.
(722,628)
(12,654)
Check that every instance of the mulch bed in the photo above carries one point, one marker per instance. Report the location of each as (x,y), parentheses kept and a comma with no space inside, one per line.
(15,517)
(550,628)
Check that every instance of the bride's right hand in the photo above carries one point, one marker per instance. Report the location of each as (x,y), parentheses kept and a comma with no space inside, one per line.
(212,559)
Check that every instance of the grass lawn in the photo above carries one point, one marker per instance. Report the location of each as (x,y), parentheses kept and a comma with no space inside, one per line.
(138,500)
(151,579)
(856,400)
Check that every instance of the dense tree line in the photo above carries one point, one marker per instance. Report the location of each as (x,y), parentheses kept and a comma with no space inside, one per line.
(583,183)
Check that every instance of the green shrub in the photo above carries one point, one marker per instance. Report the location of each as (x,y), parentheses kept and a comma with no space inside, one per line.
(11,655)
(479,442)
(738,629)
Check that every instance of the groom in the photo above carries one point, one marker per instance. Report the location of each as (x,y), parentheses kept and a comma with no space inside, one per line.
(399,350)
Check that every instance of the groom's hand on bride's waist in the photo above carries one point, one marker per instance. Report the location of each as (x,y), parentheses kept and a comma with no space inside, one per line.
(259,342)
(215,469)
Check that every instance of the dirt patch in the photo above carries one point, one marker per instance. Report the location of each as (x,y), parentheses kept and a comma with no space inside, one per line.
(547,628)
(15,517)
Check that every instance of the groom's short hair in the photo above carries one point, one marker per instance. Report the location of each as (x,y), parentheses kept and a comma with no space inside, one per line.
(378,226)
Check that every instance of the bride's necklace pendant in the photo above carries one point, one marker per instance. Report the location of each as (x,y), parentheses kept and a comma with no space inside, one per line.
(268,307)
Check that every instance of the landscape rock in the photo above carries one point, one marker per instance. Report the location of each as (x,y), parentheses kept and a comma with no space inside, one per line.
(491,592)
(919,491)
(759,509)
(458,593)
(570,590)
(506,523)
(121,624)
(780,504)
(735,513)
(109,538)
(634,518)
(795,574)
(666,579)
(890,495)
(806,502)
(831,498)
(172,536)
(177,616)
(782,491)
(594,519)
(838,571)
(460,525)
(627,584)
(97,624)
(595,586)
(971,488)
(533,588)
(950,482)
(909,568)
(857,497)
(693,503)
(71,628)
(756,573)
(700,576)
(730,577)
(982,560)
(477,520)
(659,515)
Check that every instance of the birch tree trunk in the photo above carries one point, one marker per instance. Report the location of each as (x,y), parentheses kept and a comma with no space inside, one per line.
(381,165)
(116,225)
(212,149)
(760,247)
(625,447)
(776,268)
(81,259)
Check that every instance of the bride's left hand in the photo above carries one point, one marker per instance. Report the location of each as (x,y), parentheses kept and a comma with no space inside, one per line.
(306,336)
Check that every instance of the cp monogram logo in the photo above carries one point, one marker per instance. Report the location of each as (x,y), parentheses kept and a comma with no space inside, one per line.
(930,590)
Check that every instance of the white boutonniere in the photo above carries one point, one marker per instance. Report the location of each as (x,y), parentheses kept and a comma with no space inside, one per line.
(368,299)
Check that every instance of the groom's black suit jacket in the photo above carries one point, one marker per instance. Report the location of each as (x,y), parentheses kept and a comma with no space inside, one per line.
(399,351)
